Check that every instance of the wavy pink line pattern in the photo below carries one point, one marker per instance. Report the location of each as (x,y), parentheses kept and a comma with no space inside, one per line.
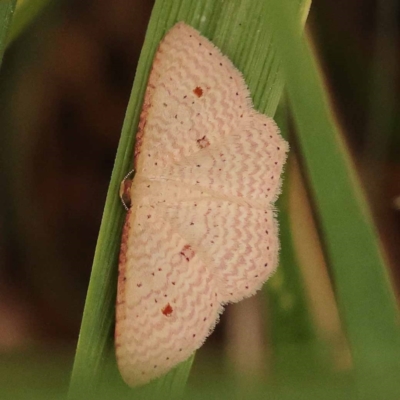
(201,231)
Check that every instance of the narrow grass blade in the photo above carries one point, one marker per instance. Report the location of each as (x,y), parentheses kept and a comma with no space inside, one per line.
(239,29)
(364,292)
(7,8)
(294,339)
(25,14)
(291,326)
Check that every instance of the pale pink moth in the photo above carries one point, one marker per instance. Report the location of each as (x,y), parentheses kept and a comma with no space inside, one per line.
(201,230)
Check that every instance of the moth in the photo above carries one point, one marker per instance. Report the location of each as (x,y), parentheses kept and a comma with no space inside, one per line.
(201,230)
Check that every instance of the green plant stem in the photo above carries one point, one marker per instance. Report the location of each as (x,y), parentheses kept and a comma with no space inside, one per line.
(363,288)
(7,8)
(25,14)
(238,28)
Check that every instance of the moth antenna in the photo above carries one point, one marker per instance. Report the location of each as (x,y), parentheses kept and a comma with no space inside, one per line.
(124,188)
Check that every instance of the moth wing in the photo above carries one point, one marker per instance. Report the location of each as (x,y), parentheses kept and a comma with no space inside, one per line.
(238,242)
(167,300)
(195,97)
(247,164)
(207,169)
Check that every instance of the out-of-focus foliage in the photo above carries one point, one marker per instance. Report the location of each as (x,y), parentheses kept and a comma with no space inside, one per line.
(6,12)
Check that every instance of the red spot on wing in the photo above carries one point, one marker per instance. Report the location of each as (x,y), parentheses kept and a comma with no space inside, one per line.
(167,310)
(187,252)
(198,91)
(203,142)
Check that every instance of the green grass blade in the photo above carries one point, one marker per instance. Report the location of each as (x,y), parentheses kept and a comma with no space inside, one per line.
(239,28)
(294,339)
(7,8)
(291,324)
(364,292)
(25,14)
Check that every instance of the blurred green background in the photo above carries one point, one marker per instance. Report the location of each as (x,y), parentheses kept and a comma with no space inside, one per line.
(65,83)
